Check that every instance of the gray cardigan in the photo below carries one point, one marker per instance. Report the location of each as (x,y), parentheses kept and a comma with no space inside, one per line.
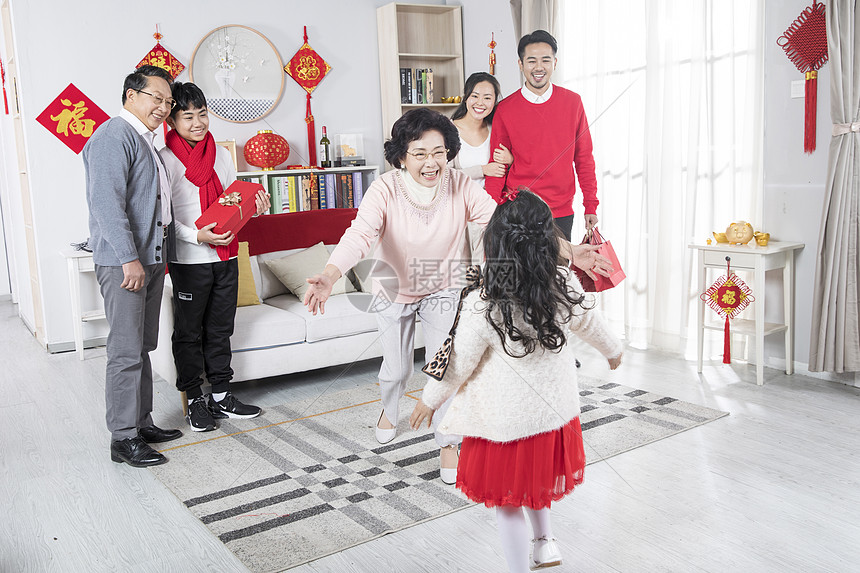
(123,197)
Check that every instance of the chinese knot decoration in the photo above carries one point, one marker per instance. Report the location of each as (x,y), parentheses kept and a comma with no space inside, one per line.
(73,118)
(308,69)
(266,150)
(492,46)
(728,296)
(160,57)
(805,44)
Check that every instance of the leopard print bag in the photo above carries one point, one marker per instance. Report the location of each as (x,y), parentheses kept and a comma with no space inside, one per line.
(436,367)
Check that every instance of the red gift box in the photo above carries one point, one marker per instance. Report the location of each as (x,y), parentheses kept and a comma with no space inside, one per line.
(233,209)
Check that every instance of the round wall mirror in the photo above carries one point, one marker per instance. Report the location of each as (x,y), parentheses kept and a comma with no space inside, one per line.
(239,71)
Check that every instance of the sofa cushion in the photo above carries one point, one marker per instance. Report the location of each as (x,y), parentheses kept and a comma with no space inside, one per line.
(294,269)
(344,315)
(264,326)
(247,288)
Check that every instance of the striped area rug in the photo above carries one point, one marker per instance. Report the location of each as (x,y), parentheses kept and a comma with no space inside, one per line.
(308,479)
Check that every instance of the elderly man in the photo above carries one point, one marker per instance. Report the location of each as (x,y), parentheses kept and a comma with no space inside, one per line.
(129,204)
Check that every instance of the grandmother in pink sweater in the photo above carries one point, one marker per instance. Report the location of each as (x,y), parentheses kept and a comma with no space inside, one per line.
(416,216)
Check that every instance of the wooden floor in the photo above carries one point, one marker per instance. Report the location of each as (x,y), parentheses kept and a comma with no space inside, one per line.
(775,486)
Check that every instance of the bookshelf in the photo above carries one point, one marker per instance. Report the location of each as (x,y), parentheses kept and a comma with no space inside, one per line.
(419,36)
(271,178)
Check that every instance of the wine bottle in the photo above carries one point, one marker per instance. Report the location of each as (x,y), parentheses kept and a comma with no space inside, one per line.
(325,150)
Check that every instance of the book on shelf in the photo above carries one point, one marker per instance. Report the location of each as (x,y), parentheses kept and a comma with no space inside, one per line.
(419,85)
(315,191)
(345,196)
(330,191)
(320,177)
(405,85)
(428,85)
(275,184)
(357,187)
(292,197)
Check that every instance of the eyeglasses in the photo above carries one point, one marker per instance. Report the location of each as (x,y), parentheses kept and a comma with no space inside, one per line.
(160,100)
(422,155)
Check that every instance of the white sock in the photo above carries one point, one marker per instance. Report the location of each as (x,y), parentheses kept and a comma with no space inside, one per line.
(541,525)
(514,536)
(219,396)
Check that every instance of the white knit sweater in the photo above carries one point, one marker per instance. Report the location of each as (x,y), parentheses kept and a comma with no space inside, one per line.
(502,398)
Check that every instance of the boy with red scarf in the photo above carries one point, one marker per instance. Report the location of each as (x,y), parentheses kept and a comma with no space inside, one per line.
(205,271)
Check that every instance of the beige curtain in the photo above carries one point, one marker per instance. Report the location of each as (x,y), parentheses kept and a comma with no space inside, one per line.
(834,344)
(531,15)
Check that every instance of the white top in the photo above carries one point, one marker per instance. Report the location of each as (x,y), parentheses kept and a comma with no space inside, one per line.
(471,156)
(186,205)
(163,179)
(533,97)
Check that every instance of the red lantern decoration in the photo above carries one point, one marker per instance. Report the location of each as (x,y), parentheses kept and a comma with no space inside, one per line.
(266,150)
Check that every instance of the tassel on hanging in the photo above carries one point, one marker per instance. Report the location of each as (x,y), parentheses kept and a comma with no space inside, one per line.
(811,85)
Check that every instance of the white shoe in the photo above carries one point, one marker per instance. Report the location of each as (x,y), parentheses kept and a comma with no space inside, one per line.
(545,553)
(448,475)
(383,436)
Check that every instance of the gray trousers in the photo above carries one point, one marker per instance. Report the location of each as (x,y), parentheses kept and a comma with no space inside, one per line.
(397,335)
(133,321)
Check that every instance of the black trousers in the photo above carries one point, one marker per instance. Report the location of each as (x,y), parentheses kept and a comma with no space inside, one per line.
(565,224)
(204,309)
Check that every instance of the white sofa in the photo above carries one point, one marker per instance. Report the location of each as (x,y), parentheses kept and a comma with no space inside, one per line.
(280,336)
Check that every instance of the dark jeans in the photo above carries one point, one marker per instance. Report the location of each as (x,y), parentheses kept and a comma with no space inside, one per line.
(204,309)
(565,224)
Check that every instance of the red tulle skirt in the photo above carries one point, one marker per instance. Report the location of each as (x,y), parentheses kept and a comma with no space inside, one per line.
(531,472)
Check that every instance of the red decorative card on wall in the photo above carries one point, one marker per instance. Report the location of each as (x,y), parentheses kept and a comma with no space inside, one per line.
(73,118)
(159,56)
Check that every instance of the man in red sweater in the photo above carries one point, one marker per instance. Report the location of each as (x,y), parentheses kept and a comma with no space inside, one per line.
(545,128)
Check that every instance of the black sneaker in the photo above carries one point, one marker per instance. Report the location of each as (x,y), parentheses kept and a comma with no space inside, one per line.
(199,417)
(231,407)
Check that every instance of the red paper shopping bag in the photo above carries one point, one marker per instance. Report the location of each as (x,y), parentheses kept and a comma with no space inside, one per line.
(601,283)
(233,209)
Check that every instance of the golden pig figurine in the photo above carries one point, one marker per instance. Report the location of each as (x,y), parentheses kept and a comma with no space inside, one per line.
(739,233)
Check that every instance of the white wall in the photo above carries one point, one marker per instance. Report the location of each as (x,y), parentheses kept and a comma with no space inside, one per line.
(109,40)
(793,180)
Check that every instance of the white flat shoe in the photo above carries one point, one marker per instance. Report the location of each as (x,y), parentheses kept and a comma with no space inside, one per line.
(545,553)
(383,436)
(448,475)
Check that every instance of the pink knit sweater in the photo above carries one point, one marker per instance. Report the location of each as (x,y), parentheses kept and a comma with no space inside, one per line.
(424,247)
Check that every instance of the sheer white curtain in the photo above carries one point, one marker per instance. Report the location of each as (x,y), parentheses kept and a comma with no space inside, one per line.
(673,90)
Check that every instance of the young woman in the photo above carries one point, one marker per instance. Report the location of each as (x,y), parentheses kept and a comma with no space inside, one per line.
(512,376)
(474,119)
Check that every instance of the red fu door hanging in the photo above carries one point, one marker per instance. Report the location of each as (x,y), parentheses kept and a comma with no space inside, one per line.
(308,69)
(805,44)
(728,296)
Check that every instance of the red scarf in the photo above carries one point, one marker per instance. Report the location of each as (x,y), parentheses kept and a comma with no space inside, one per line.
(199,162)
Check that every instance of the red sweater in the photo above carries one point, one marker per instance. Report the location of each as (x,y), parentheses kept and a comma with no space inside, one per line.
(546,140)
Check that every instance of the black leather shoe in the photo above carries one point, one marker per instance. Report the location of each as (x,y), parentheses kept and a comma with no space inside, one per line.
(135,452)
(153,434)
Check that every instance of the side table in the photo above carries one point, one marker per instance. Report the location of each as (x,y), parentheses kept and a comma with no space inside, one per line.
(80,262)
(751,257)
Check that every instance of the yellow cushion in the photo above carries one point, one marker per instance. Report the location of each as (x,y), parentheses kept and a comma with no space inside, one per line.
(247,290)
(294,270)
